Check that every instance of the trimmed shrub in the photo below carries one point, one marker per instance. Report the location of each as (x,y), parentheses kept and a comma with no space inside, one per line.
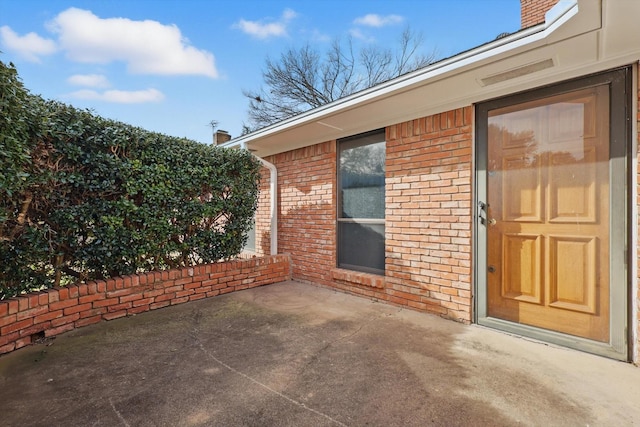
(85,198)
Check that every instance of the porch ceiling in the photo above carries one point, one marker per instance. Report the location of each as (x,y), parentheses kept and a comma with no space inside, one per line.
(579,37)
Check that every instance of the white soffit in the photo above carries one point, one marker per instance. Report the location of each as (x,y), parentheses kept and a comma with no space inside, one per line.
(578,38)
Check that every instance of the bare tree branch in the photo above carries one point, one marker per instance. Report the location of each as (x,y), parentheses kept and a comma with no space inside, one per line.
(302,79)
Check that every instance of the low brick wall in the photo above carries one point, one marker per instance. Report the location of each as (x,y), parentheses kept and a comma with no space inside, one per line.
(51,312)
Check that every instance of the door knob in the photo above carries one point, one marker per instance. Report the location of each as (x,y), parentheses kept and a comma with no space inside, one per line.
(492,221)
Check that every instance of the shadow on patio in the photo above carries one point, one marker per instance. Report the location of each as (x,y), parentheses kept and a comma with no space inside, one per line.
(294,354)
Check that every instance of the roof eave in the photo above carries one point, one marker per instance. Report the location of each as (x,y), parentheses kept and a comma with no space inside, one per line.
(561,13)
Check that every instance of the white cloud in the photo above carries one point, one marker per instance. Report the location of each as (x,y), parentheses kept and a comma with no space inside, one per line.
(148,47)
(30,46)
(375,20)
(263,30)
(318,36)
(357,34)
(89,80)
(120,96)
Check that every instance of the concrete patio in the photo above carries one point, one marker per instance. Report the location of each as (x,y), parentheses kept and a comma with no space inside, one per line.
(294,354)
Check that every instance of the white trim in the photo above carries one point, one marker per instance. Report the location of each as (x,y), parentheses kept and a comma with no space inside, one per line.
(633,256)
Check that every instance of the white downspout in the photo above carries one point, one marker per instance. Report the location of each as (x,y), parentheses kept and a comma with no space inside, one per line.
(273,198)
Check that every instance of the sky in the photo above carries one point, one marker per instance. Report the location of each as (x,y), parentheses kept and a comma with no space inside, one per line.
(174,66)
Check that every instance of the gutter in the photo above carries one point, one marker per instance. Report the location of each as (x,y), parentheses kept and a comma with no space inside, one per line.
(273,200)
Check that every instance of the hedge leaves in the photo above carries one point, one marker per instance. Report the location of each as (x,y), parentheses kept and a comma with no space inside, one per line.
(83,197)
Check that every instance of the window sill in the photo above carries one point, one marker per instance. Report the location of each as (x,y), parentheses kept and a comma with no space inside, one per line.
(358,278)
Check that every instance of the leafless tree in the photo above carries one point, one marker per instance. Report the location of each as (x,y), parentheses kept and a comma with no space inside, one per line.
(303,78)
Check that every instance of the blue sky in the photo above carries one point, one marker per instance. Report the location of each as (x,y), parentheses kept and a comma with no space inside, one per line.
(174,66)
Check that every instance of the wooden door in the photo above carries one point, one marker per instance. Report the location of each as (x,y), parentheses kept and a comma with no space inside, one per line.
(548,213)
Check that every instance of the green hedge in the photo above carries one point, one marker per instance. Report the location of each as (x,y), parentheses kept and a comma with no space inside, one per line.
(84,198)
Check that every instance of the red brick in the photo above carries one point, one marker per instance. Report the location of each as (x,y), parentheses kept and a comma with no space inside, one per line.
(184,293)
(91,297)
(33,312)
(88,321)
(92,312)
(62,304)
(77,308)
(23,342)
(105,302)
(8,319)
(153,293)
(83,290)
(165,297)
(101,286)
(137,310)
(73,291)
(16,326)
(59,330)
(132,297)
(118,307)
(172,289)
(63,293)
(206,283)
(157,305)
(195,285)
(65,320)
(7,338)
(7,348)
(50,315)
(115,315)
(183,281)
(35,329)
(179,300)
(141,302)
(43,299)
(53,294)
(119,292)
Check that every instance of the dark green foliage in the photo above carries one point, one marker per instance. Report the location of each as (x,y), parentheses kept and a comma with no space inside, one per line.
(83,197)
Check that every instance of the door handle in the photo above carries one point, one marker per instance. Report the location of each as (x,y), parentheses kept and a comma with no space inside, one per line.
(492,221)
(482,218)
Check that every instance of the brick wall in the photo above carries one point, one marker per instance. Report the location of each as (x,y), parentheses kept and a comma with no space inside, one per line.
(51,312)
(307,212)
(532,11)
(428,215)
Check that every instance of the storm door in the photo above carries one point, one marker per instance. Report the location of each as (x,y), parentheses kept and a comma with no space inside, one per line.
(551,215)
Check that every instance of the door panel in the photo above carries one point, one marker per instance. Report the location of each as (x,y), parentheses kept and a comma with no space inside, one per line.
(522,268)
(548,213)
(572,183)
(573,278)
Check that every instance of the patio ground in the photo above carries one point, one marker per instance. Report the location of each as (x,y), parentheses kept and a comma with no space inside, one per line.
(294,354)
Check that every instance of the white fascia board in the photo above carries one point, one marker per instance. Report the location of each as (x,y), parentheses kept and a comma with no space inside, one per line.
(561,13)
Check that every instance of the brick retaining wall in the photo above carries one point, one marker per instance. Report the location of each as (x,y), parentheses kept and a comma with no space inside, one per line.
(51,312)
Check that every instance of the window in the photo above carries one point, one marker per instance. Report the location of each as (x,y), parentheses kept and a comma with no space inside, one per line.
(251,238)
(361,171)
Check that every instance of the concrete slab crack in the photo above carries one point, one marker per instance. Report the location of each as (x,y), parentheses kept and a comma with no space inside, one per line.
(262,385)
(120,417)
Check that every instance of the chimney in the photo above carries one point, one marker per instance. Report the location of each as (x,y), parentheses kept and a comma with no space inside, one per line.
(532,11)
(220,137)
